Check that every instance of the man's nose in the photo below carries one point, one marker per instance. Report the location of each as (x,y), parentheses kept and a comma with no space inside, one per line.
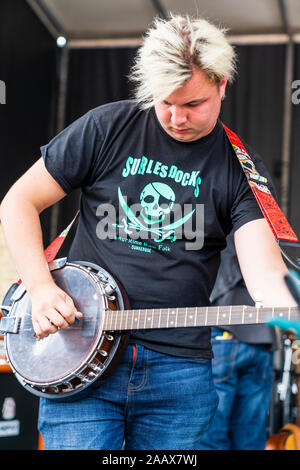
(178,115)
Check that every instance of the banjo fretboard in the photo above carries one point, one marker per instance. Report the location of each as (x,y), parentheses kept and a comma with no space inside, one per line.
(118,320)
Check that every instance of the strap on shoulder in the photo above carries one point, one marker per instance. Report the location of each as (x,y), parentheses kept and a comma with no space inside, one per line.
(282,231)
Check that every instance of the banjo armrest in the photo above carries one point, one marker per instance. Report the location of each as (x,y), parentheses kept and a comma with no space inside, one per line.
(10,325)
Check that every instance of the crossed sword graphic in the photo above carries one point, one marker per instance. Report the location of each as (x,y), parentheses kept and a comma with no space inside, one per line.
(164,232)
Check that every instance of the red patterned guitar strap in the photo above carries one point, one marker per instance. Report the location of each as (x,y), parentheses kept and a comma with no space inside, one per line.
(52,250)
(284,234)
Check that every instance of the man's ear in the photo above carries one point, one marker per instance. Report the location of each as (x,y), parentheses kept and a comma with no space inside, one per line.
(222,87)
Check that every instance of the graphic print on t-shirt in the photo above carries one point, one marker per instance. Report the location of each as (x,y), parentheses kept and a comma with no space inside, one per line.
(156,214)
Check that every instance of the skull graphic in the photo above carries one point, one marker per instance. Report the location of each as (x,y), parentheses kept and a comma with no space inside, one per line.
(157,200)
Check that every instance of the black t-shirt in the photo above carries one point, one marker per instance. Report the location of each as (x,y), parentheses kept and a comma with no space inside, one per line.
(119,155)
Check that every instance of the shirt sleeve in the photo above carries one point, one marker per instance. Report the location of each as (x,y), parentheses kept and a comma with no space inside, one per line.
(72,157)
(245,207)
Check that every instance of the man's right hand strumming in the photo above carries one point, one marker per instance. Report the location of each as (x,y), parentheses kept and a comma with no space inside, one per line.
(52,309)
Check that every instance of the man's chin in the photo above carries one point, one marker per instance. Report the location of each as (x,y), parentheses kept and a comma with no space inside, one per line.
(181,135)
(185,137)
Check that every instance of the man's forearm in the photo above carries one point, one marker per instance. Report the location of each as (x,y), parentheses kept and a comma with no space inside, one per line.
(262,265)
(272,290)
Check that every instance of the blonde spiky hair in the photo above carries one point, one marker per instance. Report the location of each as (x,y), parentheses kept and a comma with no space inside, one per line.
(172,49)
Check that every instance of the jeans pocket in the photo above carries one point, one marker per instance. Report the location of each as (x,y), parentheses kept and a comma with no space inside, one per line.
(224,359)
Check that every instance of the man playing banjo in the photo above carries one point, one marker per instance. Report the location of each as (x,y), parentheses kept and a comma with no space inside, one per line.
(167,146)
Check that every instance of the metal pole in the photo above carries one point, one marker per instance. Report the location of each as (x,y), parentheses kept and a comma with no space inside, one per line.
(287,123)
(287,112)
(243,40)
(159,8)
(61,115)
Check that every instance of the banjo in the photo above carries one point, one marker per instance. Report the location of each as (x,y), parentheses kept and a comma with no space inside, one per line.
(68,361)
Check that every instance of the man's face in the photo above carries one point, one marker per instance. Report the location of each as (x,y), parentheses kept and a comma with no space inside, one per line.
(191,112)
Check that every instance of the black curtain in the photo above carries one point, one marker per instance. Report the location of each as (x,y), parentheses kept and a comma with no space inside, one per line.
(97,76)
(253,107)
(294,189)
(28,67)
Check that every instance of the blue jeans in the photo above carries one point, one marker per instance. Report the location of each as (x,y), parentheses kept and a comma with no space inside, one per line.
(156,402)
(243,379)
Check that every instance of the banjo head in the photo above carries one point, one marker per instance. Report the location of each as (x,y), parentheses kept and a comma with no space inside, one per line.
(61,356)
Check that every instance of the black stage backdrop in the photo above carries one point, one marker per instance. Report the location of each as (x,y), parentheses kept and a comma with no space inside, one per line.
(28,67)
(254,104)
(294,193)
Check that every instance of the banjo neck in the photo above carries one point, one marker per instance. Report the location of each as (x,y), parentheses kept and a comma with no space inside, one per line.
(99,346)
(118,320)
